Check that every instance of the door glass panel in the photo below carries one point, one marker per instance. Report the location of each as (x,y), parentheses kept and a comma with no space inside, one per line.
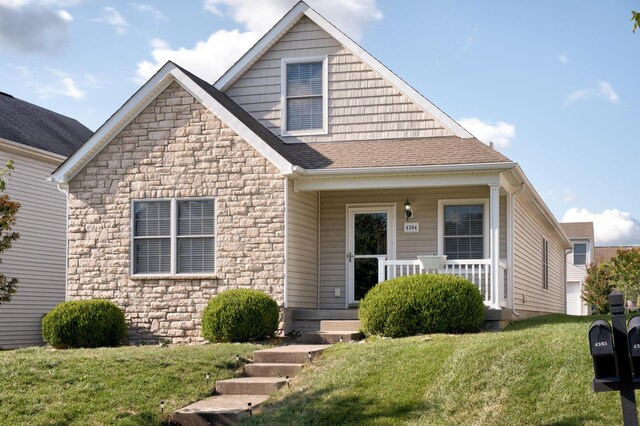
(370,233)
(365,276)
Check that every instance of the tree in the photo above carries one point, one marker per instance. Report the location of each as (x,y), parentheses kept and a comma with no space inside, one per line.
(8,211)
(600,282)
(635,18)
(621,271)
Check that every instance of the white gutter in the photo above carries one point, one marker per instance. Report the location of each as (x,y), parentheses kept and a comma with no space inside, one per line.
(444,168)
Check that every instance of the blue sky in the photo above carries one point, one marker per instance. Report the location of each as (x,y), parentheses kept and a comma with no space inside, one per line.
(554,84)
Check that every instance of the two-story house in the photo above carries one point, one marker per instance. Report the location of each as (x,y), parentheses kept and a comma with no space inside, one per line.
(578,258)
(309,171)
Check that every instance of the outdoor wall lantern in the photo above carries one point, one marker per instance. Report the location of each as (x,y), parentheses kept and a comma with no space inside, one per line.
(408,214)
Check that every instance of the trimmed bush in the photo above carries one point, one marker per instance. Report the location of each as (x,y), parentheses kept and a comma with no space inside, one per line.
(422,304)
(240,315)
(84,324)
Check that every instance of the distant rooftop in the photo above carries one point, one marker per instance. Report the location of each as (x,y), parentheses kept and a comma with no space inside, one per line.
(31,125)
(578,229)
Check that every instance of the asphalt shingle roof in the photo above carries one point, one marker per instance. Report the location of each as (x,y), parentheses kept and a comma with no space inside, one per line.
(31,125)
(578,229)
(358,154)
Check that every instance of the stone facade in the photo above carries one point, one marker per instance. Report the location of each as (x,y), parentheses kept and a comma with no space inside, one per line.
(175,148)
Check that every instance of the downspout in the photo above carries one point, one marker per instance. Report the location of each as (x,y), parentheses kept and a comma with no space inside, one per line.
(566,253)
(64,188)
(513,299)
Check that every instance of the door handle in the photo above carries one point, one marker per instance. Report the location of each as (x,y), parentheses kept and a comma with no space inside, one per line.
(349,257)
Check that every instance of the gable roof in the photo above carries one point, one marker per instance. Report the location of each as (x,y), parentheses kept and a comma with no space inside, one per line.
(578,229)
(215,101)
(37,127)
(290,19)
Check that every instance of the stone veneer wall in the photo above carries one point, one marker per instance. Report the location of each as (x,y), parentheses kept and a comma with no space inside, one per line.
(175,148)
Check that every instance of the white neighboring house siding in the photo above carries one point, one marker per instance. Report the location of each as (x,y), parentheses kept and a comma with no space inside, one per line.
(528,232)
(37,259)
(362,105)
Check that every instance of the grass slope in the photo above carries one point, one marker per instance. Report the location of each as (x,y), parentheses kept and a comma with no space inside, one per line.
(538,372)
(109,386)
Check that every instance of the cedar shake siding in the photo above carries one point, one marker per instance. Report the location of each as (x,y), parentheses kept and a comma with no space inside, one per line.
(362,104)
(175,148)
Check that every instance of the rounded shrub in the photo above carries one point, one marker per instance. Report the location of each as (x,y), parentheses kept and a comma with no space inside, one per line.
(240,315)
(84,324)
(421,304)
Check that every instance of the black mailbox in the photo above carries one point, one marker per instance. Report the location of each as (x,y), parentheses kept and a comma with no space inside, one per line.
(602,351)
(633,338)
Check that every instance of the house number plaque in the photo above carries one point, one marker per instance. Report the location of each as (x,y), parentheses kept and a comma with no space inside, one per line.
(411,227)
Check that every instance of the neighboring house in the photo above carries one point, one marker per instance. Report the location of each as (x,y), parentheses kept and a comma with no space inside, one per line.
(608,252)
(38,140)
(291,175)
(581,255)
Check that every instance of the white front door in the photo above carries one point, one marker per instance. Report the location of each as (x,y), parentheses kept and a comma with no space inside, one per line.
(574,302)
(370,236)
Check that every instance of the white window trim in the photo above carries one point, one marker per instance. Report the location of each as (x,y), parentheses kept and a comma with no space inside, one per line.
(485,221)
(173,235)
(325,96)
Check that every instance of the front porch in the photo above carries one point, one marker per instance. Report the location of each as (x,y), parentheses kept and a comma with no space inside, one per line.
(345,236)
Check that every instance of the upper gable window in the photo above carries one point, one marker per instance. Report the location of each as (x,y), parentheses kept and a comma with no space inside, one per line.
(580,254)
(304,96)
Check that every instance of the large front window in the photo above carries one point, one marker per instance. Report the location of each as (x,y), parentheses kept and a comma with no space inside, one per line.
(464,231)
(173,236)
(304,97)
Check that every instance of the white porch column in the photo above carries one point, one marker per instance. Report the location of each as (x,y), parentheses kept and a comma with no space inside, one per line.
(494,241)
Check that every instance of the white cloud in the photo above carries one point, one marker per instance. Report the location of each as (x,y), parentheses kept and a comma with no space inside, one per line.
(66,16)
(602,90)
(564,58)
(351,16)
(64,85)
(111,16)
(611,227)
(207,59)
(500,133)
(24,70)
(151,11)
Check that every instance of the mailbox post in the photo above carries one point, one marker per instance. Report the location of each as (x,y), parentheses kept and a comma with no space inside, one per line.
(612,365)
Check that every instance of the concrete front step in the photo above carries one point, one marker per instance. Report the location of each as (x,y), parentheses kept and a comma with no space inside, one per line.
(292,354)
(250,385)
(330,337)
(340,325)
(217,410)
(270,369)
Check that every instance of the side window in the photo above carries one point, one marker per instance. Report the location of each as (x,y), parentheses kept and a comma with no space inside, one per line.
(545,263)
(580,254)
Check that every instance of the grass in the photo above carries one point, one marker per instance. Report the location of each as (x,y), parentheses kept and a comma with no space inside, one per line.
(537,372)
(114,386)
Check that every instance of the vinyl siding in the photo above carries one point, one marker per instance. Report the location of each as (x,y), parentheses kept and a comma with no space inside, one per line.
(37,259)
(362,104)
(302,248)
(528,230)
(333,222)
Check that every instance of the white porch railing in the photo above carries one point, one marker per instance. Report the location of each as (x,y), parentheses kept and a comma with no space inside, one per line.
(478,271)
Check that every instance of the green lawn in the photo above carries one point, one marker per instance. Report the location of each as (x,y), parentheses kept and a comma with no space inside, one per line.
(119,386)
(538,372)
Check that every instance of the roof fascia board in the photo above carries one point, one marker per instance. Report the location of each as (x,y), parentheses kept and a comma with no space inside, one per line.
(444,168)
(541,205)
(360,182)
(267,40)
(290,18)
(233,122)
(31,152)
(114,125)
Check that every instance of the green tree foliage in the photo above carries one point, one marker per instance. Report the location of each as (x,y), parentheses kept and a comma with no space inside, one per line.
(8,211)
(635,18)
(622,272)
(600,282)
